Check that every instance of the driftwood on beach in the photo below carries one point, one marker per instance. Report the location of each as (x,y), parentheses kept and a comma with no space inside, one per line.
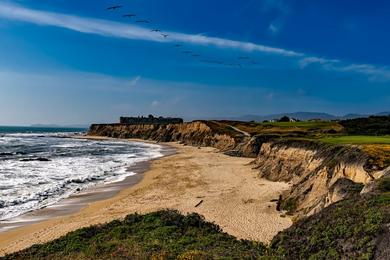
(200,202)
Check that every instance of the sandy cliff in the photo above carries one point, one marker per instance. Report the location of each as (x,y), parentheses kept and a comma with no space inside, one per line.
(320,174)
(194,133)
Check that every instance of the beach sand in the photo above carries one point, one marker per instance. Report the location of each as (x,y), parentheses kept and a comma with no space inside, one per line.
(233,196)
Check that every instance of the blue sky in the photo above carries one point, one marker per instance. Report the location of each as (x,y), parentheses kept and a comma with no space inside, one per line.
(72,62)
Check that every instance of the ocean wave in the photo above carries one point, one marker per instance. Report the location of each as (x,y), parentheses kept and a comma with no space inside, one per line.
(56,168)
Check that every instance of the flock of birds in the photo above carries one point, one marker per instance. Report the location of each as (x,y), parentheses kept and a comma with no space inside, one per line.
(240,60)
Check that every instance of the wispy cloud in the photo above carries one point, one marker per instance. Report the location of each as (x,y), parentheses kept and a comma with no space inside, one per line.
(121,30)
(108,28)
(374,73)
(303,63)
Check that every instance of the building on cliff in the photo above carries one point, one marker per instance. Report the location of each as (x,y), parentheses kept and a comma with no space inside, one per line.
(150,120)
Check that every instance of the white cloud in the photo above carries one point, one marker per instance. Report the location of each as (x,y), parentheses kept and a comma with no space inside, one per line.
(121,30)
(108,28)
(375,73)
(303,63)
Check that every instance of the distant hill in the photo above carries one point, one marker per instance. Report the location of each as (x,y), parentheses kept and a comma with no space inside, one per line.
(301,116)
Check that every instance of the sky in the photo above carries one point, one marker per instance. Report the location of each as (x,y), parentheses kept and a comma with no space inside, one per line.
(75,62)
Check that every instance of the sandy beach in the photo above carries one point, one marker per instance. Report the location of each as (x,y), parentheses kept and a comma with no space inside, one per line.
(232,195)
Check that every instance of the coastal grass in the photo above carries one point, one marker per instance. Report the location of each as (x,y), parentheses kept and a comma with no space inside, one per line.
(160,235)
(350,229)
(379,154)
(306,128)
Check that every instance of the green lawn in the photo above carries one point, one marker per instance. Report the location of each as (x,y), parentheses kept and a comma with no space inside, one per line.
(357,139)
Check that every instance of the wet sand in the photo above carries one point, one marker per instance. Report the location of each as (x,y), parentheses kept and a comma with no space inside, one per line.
(233,196)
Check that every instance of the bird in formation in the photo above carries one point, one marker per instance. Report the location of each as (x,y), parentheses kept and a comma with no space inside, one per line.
(142,21)
(130,15)
(114,7)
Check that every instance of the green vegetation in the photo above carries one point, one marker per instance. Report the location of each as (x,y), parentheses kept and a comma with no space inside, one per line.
(348,229)
(303,124)
(379,155)
(373,125)
(307,128)
(160,235)
(357,139)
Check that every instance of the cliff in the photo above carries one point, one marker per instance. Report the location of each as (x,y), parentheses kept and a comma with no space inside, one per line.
(321,174)
(196,133)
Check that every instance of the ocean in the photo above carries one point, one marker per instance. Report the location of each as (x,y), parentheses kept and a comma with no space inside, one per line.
(40,166)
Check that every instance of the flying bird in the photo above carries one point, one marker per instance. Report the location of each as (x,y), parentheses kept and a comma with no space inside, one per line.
(164,35)
(156,30)
(114,7)
(195,55)
(177,45)
(128,15)
(142,21)
(244,58)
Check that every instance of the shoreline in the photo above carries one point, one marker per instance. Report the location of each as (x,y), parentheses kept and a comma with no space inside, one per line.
(233,196)
(79,200)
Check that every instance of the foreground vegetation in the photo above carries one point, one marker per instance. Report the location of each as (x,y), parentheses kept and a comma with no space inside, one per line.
(350,229)
(160,235)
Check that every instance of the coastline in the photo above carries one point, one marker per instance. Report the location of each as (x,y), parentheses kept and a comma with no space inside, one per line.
(232,195)
(80,200)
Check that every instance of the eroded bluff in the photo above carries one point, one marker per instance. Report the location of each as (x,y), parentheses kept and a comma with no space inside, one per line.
(320,174)
(194,133)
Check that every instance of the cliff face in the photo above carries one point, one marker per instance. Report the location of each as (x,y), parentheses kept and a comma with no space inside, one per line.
(194,133)
(320,174)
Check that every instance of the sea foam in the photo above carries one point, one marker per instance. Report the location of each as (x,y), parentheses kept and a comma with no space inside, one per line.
(38,170)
